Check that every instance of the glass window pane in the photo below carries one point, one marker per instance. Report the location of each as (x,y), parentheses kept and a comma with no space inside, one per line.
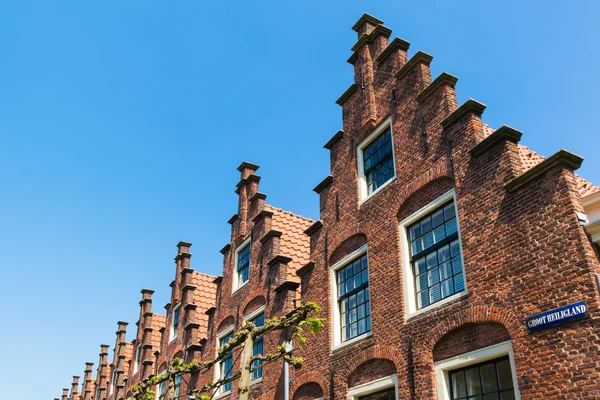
(473,381)
(488,377)
(434,276)
(459,283)
(492,396)
(447,288)
(458,385)
(457,265)
(438,217)
(449,211)
(435,293)
(451,227)
(446,271)
(504,374)
(431,260)
(510,395)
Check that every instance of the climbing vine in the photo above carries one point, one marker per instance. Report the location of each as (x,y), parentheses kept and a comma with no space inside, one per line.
(300,320)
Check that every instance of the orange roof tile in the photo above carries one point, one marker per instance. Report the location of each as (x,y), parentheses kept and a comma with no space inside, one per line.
(205,296)
(294,243)
(530,159)
(158,322)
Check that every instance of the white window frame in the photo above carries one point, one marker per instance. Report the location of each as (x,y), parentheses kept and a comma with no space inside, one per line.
(363,192)
(410,300)
(172,335)
(374,386)
(136,362)
(335,309)
(251,316)
(158,386)
(444,367)
(113,376)
(241,247)
(221,335)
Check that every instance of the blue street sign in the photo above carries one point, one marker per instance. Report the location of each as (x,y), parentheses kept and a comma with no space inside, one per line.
(557,316)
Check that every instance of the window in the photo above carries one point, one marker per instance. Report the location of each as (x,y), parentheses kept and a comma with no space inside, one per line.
(242,265)
(385,394)
(434,270)
(113,380)
(177,386)
(376,161)
(353,311)
(435,256)
(175,322)
(381,389)
(484,374)
(161,389)
(490,379)
(138,358)
(226,364)
(258,347)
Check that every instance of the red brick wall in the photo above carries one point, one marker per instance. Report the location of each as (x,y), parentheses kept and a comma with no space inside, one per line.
(469,337)
(370,371)
(309,391)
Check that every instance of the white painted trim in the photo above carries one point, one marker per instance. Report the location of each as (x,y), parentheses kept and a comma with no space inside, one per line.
(235,287)
(442,368)
(410,302)
(362,180)
(217,372)
(372,387)
(335,310)
(172,327)
(254,314)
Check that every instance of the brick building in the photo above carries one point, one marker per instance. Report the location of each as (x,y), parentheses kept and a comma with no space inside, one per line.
(451,261)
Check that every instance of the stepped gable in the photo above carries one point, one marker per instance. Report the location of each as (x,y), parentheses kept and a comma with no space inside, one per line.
(530,159)
(204,297)
(294,243)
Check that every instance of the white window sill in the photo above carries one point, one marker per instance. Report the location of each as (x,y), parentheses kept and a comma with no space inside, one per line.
(379,189)
(353,340)
(241,286)
(171,340)
(255,381)
(438,304)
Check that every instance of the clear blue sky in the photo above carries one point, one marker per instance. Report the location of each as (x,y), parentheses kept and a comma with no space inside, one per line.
(122,124)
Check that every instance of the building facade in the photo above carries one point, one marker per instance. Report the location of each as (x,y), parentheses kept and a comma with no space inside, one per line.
(451,261)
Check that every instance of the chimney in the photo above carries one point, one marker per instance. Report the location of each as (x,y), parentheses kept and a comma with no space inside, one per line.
(366,24)
(65,394)
(247,188)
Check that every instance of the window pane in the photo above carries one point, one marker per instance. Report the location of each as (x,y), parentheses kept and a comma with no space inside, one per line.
(458,385)
(493,396)
(473,381)
(504,374)
(508,395)
(488,376)
(354,301)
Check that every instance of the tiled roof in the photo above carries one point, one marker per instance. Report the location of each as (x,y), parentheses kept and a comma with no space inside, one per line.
(294,243)
(204,297)
(530,159)
(158,321)
(128,357)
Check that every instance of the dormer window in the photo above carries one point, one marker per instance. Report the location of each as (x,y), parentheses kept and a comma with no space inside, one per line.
(241,273)
(376,161)
(175,322)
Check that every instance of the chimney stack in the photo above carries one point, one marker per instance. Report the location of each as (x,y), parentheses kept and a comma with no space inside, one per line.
(247,188)
(119,357)
(87,381)
(74,388)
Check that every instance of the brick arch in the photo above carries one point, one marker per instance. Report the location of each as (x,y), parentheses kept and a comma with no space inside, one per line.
(309,377)
(475,315)
(336,240)
(254,300)
(440,171)
(347,246)
(225,323)
(376,352)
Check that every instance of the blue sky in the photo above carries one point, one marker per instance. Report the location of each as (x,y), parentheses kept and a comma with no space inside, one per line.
(122,124)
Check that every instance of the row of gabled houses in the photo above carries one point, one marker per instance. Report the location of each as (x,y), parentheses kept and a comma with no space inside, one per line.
(451,261)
